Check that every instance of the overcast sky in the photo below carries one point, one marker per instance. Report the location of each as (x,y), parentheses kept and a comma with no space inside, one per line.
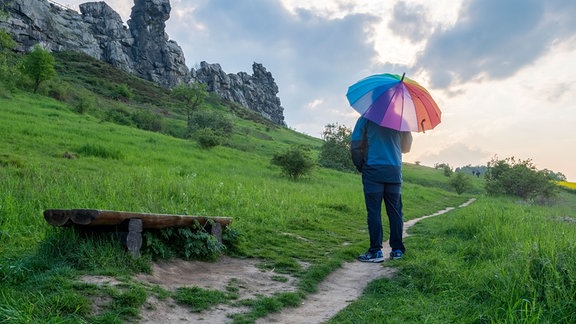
(502,71)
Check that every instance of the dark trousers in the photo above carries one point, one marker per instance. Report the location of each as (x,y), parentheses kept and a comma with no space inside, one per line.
(391,194)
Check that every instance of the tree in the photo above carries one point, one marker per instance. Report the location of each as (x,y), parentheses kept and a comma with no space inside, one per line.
(444,166)
(39,65)
(193,97)
(335,152)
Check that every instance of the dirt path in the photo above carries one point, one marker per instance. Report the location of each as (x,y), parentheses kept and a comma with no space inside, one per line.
(341,287)
(338,290)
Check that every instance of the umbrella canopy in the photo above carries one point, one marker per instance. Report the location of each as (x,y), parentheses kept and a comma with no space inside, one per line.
(394,101)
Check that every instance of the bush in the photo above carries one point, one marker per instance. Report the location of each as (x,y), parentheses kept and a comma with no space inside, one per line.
(520,179)
(148,120)
(295,161)
(84,103)
(119,115)
(461,183)
(9,74)
(123,93)
(207,138)
(213,120)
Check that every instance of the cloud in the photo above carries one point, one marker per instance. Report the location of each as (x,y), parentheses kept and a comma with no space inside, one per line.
(494,39)
(410,22)
(458,154)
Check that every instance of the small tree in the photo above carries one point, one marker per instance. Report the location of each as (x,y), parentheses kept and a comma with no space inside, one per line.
(295,161)
(193,97)
(445,167)
(335,152)
(39,66)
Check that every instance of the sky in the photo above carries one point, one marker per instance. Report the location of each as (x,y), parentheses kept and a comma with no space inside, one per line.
(503,72)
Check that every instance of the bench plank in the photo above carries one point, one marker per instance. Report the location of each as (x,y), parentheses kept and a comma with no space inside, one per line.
(95,217)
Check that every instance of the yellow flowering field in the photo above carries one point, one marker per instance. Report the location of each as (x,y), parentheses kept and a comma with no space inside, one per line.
(566,184)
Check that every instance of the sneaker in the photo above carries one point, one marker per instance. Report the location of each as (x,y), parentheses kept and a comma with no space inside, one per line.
(396,254)
(375,257)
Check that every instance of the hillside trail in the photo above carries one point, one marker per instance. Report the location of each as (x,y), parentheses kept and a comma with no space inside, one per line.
(337,291)
(342,287)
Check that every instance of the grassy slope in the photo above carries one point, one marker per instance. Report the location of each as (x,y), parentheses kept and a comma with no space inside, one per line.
(151,172)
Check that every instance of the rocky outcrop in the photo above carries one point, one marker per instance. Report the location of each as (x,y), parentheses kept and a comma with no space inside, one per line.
(142,48)
(257,91)
(160,59)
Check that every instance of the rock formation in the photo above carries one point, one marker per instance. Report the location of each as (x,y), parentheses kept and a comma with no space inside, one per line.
(257,91)
(142,48)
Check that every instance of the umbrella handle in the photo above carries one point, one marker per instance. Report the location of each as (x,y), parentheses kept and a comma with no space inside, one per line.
(422,124)
(403,74)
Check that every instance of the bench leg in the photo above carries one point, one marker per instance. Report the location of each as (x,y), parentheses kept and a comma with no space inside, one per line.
(216,230)
(132,238)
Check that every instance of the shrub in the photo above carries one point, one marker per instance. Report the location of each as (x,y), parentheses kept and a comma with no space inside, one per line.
(119,115)
(519,178)
(461,183)
(148,120)
(8,62)
(85,103)
(207,138)
(123,92)
(213,120)
(295,161)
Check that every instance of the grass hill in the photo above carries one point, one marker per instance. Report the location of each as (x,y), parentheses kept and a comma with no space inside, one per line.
(495,261)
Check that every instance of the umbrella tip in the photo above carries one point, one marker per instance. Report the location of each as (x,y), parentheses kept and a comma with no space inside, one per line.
(403,74)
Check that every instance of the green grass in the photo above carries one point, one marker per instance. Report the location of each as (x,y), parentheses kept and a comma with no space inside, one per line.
(506,262)
(495,261)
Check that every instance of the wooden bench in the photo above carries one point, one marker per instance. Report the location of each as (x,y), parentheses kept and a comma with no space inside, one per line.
(129,225)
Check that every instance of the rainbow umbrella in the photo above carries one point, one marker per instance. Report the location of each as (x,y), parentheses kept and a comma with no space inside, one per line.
(394,101)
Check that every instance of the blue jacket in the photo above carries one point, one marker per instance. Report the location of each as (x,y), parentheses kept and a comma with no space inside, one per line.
(376,151)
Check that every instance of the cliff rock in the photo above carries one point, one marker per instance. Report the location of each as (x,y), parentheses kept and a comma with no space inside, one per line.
(257,91)
(142,48)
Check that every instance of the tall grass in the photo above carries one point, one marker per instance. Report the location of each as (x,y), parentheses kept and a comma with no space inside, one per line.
(495,261)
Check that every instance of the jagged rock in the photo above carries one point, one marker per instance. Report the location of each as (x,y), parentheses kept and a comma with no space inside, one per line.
(98,31)
(257,91)
(160,60)
(142,49)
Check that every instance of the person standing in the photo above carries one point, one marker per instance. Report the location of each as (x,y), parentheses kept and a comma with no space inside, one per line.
(376,152)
